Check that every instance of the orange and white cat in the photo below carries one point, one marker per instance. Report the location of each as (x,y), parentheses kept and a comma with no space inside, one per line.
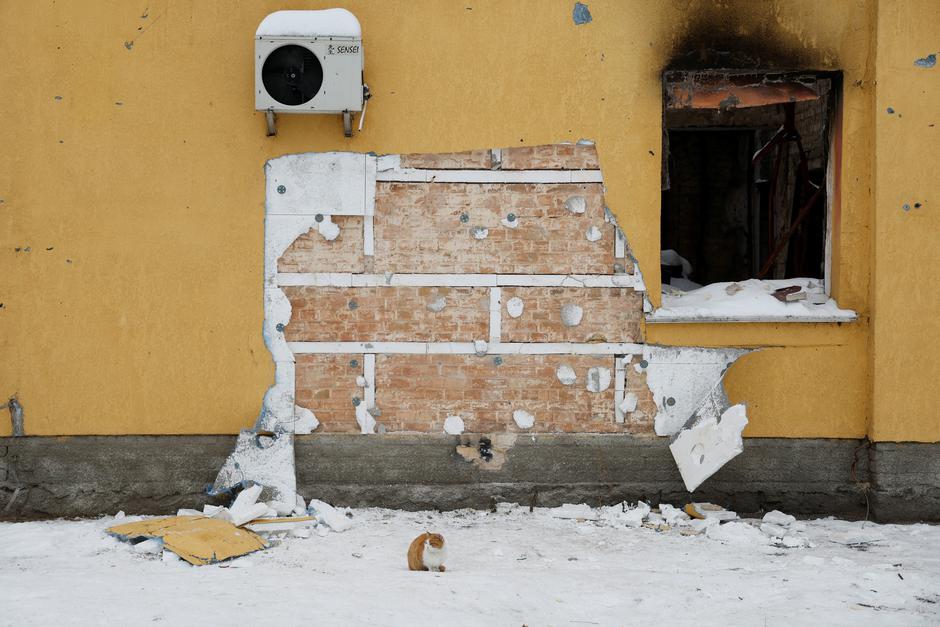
(427,552)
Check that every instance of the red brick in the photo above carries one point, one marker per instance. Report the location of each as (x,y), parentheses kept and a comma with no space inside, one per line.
(390,314)
(551,157)
(609,315)
(418,229)
(311,253)
(326,385)
(468,160)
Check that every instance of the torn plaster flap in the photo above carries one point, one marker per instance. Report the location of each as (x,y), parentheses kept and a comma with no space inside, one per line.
(365,420)
(701,450)
(311,183)
(384,163)
(680,378)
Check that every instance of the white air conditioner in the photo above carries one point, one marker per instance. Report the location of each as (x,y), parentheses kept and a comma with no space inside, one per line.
(309,62)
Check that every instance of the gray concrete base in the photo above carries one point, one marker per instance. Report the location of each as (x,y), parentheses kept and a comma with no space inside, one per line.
(87,476)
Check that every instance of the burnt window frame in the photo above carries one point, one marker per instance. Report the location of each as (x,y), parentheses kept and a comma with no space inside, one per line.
(712,88)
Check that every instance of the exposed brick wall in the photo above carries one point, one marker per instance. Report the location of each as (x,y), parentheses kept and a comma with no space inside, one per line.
(551,157)
(418,229)
(391,314)
(468,160)
(326,385)
(608,315)
(418,392)
(311,253)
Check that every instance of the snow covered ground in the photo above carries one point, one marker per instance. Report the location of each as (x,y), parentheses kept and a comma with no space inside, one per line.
(507,568)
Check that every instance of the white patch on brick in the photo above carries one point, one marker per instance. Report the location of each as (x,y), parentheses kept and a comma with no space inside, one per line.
(619,385)
(576,204)
(437,305)
(523,419)
(496,313)
(453,425)
(629,403)
(480,348)
(566,374)
(510,224)
(365,420)
(515,307)
(593,234)
(571,315)
(598,379)
(479,232)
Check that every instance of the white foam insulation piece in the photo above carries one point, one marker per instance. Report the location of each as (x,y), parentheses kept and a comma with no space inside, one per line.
(710,438)
(680,377)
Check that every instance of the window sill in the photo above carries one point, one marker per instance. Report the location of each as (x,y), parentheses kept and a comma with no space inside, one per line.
(753,301)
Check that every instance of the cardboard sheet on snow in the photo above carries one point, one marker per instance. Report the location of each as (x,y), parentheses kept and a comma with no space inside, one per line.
(196,539)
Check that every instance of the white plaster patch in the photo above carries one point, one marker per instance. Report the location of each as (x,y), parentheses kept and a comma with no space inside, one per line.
(598,379)
(480,347)
(332,183)
(267,460)
(566,374)
(305,421)
(709,444)
(629,403)
(364,419)
(453,425)
(576,204)
(328,229)
(571,315)
(479,232)
(361,381)
(510,224)
(593,234)
(437,305)
(523,419)
(515,306)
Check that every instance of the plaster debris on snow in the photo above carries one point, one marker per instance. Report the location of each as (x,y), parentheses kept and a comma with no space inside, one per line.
(453,425)
(335,519)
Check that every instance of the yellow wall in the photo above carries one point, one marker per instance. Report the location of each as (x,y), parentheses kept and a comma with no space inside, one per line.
(154,325)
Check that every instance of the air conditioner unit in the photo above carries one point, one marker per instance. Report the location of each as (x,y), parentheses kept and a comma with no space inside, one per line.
(309,62)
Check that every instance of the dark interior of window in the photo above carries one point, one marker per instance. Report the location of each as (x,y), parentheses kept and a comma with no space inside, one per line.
(744,175)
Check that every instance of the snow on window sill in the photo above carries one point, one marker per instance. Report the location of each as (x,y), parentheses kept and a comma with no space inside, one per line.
(753,302)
